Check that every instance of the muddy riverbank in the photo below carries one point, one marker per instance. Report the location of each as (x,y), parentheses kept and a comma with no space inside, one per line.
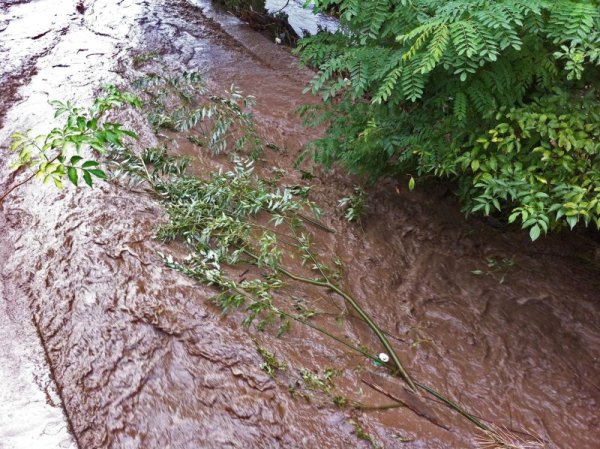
(141,359)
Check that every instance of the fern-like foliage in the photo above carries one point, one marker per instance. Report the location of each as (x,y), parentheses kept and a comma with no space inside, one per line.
(408,83)
(181,103)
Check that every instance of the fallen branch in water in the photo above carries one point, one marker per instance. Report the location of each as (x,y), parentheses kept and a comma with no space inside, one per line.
(221,219)
(16,186)
(410,401)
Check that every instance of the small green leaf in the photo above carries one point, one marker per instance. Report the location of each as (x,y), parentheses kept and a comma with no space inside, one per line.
(97,146)
(88,164)
(411,184)
(534,232)
(87,178)
(72,174)
(130,134)
(98,173)
(81,123)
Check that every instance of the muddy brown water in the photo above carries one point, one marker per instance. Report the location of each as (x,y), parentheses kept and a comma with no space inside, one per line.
(137,357)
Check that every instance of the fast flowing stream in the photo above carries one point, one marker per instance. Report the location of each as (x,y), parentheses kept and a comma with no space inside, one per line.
(104,347)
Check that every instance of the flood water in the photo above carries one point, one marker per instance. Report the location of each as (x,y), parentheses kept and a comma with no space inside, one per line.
(98,337)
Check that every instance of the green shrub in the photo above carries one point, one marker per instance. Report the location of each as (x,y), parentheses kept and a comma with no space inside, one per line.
(501,95)
(62,153)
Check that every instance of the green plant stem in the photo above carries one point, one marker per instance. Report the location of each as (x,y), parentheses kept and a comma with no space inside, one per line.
(448,402)
(25,181)
(453,405)
(327,333)
(29,178)
(316,223)
(343,312)
(380,335)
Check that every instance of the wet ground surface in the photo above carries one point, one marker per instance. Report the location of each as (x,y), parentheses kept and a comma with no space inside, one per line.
(31,415)
(140,359)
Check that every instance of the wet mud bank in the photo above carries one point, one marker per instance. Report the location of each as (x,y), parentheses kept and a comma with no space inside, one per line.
(140,357)
(31,413)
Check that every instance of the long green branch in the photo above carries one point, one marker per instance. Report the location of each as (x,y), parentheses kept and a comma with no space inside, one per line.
(327,284)
(380,335)
(448,402)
